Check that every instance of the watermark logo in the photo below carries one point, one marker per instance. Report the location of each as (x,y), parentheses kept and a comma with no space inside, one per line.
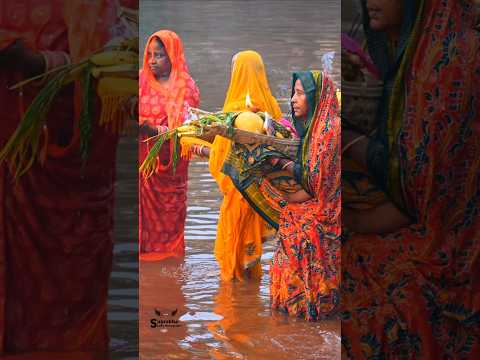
(164,319)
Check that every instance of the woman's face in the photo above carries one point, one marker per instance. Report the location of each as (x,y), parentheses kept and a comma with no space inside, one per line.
(158,60)
(385,14)
(299,101)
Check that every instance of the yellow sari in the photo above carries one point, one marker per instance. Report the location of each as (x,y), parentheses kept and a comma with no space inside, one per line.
(240,230)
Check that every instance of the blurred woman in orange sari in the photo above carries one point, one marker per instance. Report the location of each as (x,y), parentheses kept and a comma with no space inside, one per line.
(238,247)
(166,92)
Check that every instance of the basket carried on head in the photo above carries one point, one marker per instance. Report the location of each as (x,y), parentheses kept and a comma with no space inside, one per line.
(360,102)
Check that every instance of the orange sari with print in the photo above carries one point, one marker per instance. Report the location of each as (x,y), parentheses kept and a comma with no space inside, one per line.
(305,269)
(414,293)
(56,222)
(163,196)
(238,246)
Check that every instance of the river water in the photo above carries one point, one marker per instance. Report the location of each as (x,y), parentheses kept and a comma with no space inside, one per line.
(205,318)
(123,292)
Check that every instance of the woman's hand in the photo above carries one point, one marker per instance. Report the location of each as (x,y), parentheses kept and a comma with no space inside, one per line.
(150,131)
(19,57)
(354,146)
(283,164)
(201,150)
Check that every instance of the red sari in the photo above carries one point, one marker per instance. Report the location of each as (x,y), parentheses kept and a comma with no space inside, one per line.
(56,222)
(163,196)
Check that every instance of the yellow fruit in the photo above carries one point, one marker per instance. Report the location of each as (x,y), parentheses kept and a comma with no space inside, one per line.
(249,121)
(279,135)
(122,70)
(112,86)
(186,128)
(75,74)
(114,57)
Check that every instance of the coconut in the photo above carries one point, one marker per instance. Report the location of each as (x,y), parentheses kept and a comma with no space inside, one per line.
(249,121)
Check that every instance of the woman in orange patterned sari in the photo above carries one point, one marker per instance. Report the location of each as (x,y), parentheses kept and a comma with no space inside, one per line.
(166,92)
(410,280)
(305,269)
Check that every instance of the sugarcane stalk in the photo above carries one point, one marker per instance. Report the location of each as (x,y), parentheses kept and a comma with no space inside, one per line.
(37,77)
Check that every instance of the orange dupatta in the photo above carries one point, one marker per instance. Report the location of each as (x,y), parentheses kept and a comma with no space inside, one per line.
(238,245)
(174,92)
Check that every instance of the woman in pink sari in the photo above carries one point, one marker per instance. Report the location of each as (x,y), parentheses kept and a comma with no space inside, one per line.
(166,92)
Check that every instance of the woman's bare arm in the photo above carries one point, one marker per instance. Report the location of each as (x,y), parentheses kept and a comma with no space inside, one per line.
(383,219)
(298,197)
(357,151)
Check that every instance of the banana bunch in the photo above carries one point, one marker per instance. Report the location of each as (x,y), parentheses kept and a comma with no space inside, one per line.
(189,130)
(115,63)
(116,75)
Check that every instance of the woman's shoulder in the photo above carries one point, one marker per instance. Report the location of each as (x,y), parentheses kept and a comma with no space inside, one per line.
(141,78)
(191,83)
(192,90)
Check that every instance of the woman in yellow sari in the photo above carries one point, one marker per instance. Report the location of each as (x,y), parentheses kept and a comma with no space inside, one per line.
(240,230)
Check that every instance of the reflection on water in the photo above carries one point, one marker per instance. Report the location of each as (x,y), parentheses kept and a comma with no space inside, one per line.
(186,312)
(219,320)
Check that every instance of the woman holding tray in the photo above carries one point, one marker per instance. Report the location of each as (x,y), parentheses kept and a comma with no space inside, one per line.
(305,269)
(305,273)
(166,91)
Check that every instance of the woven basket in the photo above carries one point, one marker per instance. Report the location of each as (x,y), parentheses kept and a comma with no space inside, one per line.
(287,146)
(360,103)
(209,132)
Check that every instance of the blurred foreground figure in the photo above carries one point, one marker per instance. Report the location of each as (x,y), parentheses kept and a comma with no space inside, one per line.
(410,266)
(56,220)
